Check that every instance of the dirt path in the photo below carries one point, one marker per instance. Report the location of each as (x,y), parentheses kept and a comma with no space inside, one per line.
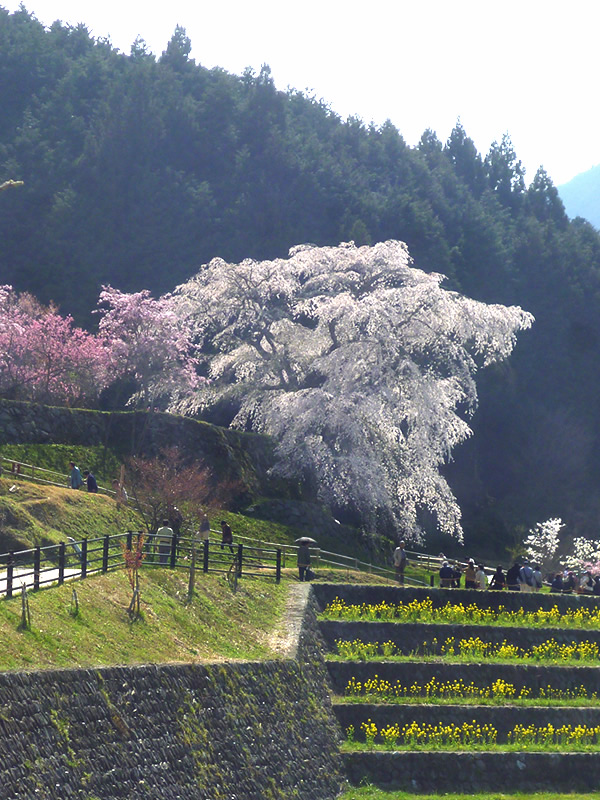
(284,641)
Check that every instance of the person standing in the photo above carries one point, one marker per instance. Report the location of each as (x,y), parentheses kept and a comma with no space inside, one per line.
(400,562)
(164,542)
(92,485)
(75,479)
(204,529)
(512,578)
(446,576)
(498,580)
(120,493)
(303,560)
(470,575)
(481,578)
(226,536)
(526,578)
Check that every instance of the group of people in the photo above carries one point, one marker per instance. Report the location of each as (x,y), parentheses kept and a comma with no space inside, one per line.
(76,479)
(520,577)
(474,574)
(568,582)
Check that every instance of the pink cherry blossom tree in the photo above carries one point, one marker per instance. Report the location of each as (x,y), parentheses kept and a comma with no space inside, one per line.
(149,341)
(44,357)
(356,363)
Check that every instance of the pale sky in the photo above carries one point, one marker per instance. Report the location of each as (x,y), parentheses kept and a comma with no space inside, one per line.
(528,68)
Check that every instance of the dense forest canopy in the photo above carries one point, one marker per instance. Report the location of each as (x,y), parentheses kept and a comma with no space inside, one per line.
(139,169)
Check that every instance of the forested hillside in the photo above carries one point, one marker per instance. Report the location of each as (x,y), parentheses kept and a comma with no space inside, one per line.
(137,170)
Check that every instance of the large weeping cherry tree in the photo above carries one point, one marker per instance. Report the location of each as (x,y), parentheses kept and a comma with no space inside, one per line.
(356,363)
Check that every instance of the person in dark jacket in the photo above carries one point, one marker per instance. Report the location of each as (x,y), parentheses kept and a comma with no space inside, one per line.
(90,482)
(226,536)
(446,576)
(512,578)
(303,561)
(498,579)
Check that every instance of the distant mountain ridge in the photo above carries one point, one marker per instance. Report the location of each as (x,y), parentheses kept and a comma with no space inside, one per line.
(581,196)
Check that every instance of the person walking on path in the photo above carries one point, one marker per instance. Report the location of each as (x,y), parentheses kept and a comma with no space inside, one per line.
(164,542)
(400,562)
(75,479)
(92,485)
(303,561)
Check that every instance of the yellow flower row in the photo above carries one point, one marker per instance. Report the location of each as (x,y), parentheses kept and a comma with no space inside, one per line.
(458,689)
(472,733)
(474,648)
(459,613)
(433,735)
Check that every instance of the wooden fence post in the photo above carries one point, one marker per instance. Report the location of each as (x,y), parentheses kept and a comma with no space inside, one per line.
(84,544)
(9,574)
(240,555)
(278,566)
(37,557)
(105,553)
(61,563)
(205,556)
(173,550)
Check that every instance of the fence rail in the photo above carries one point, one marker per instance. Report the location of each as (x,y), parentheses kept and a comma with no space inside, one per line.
(349,562)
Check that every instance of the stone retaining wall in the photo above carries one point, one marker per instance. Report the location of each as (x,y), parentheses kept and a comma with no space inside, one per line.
(469,773)
(231,731)
(530,676)
(410,637)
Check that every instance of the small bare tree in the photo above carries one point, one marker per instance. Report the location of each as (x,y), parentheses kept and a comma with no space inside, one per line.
(175,488)
(167,484)
(133,561)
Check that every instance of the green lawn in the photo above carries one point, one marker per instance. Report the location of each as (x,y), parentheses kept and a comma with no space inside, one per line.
(217,624)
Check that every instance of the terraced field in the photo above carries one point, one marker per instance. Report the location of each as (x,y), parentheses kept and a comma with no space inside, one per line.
(439,689)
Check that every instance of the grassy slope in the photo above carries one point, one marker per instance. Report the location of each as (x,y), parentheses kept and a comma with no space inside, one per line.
(102,461)
(36,515)
(216,624)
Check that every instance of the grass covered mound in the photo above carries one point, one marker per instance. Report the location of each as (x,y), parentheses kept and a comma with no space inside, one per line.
(217,624)
(102,461)
(33,515)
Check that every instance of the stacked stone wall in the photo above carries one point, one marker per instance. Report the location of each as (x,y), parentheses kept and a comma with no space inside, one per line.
(231,731)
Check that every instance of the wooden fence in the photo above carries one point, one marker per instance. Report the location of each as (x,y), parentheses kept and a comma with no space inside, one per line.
(53,564)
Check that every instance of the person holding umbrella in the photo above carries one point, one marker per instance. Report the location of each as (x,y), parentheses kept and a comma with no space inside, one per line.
(304,557)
